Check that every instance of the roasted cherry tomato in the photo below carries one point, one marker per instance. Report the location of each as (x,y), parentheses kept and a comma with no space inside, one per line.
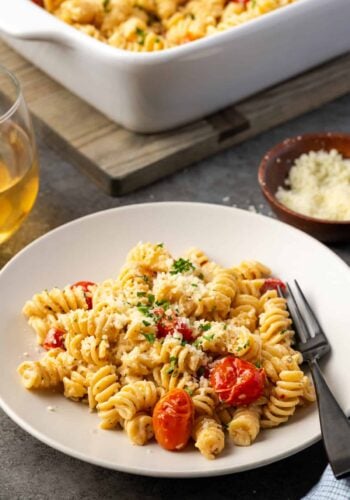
(39,2)
(172,419)
(85,285)
(272,284)
(237,382)
(54,339)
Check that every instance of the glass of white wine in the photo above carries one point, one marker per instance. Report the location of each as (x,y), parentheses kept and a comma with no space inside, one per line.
(19,169)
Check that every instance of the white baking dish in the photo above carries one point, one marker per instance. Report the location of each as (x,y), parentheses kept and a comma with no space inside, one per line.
(151,92)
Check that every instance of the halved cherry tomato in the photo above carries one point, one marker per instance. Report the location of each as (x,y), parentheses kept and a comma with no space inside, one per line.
(165,324)
(39,2)
(54,339)
(173,419)
(170,324)
(85,285)
(272,284)
(182,327)
(237,382)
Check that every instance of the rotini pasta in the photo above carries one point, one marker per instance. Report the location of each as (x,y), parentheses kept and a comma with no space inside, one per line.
(284,398)
(208,436)
(56,301)
(187,328)
(274,321)
(132,398)
(245,425)
(48,372)
(139,429)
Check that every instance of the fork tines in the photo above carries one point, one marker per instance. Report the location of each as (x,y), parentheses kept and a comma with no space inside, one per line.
(312,339)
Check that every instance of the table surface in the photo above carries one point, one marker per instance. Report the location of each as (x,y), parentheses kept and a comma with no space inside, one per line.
(30,469)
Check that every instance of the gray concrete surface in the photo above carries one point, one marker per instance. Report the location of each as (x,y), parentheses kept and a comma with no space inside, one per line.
(32,470)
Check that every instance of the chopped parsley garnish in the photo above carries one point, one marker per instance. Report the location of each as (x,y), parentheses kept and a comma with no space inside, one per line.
(105,4)
(201,276)
(198,342)
(194,284)
(146,323)
(225,326)
(189,391)
(151,299)
(145,278)
(205,327)
(160,245)
(150,337)
(173,364)
(209,337)
(181,266)
(141,294)
(141,35)
(257,364)
(201,371)
(244,346)
(144,310)
(283,331)
(163,303)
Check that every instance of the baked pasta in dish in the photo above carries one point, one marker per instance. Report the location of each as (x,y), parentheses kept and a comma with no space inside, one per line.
(149,25)
(178,349)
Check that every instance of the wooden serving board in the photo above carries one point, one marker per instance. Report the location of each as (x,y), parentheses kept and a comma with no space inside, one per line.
(120,161)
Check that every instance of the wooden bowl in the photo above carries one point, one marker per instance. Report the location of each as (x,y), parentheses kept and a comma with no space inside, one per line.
(274,169)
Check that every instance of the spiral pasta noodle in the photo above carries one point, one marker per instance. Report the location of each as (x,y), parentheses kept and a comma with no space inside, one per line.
(41,326)
(139,429)
(184,357)
(76,384)
(284,398)
(56,301)
(251,270)
(48,372)
(87,323)
(168,379)
(153,257)
(245,425)
(136,397)
(208,436)
(274,322)
(205,400)
(278,358)
(223,290)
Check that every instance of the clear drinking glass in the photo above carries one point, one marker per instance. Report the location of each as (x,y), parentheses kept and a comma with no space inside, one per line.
(19,169)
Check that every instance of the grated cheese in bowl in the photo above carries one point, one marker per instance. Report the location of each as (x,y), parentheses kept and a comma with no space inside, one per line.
(318,185)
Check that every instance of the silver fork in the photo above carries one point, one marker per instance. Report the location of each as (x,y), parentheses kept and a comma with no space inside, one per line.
(313,344)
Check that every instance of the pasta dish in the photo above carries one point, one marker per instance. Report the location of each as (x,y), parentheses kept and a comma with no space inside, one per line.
(172,348)
(149,25)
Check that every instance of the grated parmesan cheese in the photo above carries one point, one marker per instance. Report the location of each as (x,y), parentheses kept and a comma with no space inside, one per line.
(319,186)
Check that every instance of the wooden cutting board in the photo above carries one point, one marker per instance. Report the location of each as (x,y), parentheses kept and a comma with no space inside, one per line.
(120,161)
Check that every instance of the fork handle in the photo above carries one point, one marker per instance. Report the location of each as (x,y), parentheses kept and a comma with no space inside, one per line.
(335,426)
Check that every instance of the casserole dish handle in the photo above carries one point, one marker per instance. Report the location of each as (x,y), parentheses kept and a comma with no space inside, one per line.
(24,20)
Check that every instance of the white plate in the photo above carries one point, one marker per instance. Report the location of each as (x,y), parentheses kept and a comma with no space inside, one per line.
(93,248)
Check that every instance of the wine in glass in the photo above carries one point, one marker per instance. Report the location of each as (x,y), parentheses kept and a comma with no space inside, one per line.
(19,170)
